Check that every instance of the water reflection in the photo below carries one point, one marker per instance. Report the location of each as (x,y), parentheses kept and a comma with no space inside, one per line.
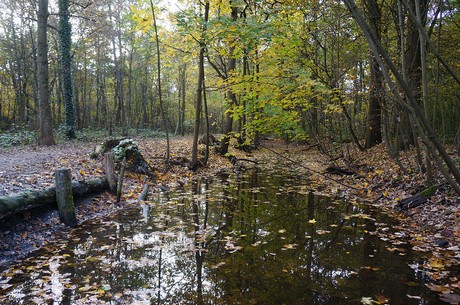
(246,238)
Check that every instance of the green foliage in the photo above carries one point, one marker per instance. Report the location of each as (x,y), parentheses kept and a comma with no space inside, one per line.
(126,149)
(17,135)
(290,56)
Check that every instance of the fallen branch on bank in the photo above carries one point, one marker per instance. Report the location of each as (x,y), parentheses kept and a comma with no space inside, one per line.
(29,199)
(417,199)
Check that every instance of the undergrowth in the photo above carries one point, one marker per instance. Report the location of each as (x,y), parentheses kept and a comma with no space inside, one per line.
(17,135)
(20,135)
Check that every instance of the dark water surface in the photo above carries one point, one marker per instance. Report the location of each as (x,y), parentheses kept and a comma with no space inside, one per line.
(244,238)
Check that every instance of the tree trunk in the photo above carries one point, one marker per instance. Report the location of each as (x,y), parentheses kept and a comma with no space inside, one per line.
(199,91)
(228,125)
(65,42)
(45,118)
(182,112)
(432,142)
(376,90)
(162,110)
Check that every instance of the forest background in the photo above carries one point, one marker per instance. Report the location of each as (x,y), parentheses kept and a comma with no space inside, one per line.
(325,72)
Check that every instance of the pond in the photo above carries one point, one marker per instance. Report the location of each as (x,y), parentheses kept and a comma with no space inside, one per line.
(249,237)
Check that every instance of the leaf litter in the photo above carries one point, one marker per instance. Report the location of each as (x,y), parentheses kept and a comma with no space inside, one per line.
(380,183)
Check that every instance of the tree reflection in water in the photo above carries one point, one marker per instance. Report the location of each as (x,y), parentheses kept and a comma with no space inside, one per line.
(245,238)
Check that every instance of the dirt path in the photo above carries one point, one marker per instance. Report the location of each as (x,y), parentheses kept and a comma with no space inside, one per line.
(33,166)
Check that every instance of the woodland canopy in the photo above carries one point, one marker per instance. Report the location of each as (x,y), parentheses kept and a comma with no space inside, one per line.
(327,72)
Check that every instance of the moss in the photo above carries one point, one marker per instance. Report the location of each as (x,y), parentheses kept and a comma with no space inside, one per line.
(428,192)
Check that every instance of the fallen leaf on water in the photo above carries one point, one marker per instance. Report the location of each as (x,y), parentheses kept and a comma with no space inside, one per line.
(290,246)
(436,263)
(367,300)
(217,265)
(414,297)
(450,298)
(439,288)
(380,299)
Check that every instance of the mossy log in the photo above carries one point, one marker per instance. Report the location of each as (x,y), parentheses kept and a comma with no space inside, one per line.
(29,199)
(126,148)
(417,199)
(339,171)
(104,147)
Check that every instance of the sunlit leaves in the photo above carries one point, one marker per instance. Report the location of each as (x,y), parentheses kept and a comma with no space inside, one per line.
(142,18)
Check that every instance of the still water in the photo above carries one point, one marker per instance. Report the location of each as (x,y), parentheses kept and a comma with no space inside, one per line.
(253,237)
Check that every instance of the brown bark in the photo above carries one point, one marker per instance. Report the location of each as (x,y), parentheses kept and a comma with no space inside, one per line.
(162,110)
(376,90)
(228,125)
(199,90)
(432,142)
(45,118)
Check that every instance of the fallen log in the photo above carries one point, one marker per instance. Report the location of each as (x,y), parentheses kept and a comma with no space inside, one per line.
(417,199)
(339,171)
(29,199)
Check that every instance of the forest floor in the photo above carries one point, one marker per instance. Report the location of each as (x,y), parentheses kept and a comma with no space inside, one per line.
(432,228)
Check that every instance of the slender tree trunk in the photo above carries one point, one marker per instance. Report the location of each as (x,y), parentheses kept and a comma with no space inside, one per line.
(45,118)
(181,100)
(429,171)
(199,90)
(228,124)
(184,88)
(17,77)
(429,136)
(206,118)
(65,42)
(376,90)
(162,110)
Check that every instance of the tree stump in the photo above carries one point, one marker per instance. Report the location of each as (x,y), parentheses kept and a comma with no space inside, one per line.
(120,180)
(64,197)
(109,172)
(125,148)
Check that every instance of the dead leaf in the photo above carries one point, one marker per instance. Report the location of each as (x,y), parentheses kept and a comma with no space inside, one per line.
(450,298)
(436,263)
(367,300)
(444,289)
(380,299)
